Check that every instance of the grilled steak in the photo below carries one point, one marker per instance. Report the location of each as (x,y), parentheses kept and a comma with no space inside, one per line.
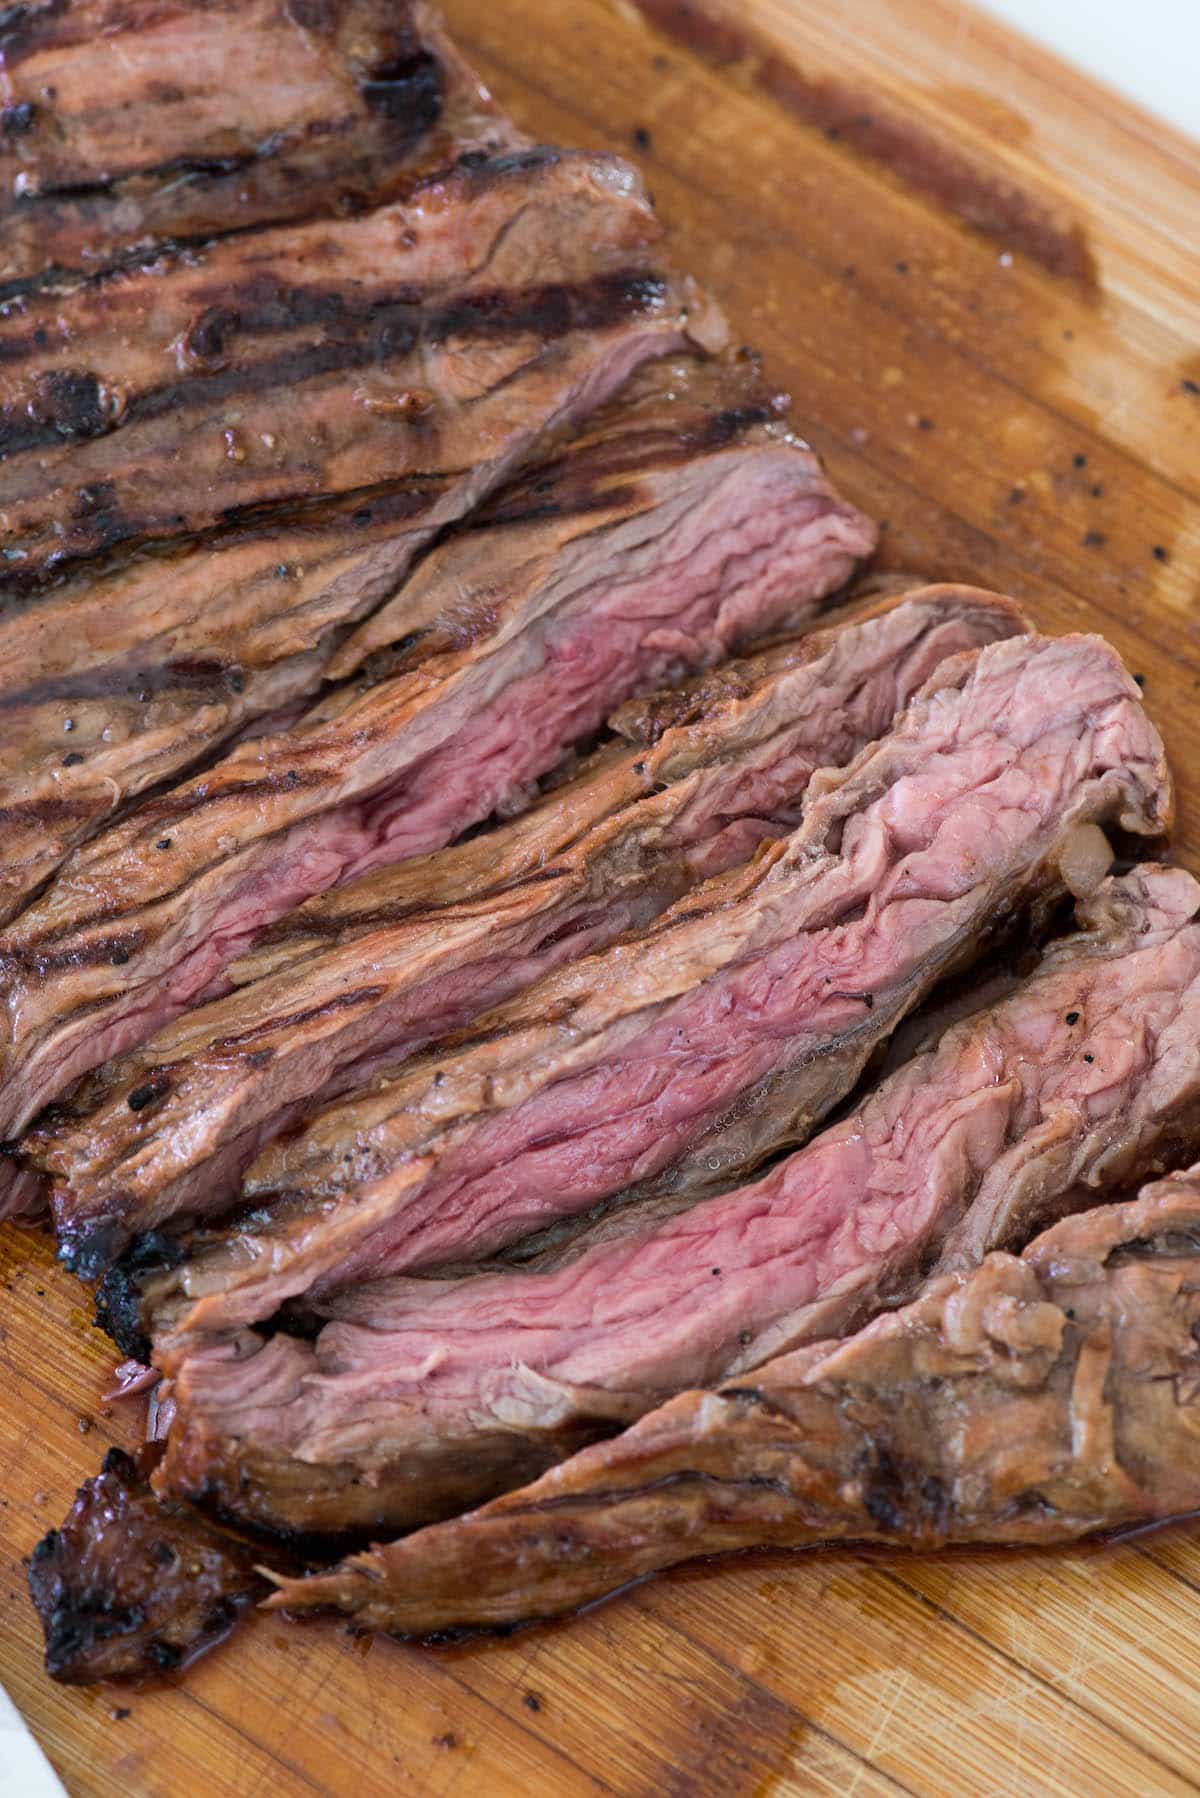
(125,125)
(1028,1401)
(296,364)
(422,1397)
(505,661)
(725,1030)
(603,854)
(128,1586)
(417,334)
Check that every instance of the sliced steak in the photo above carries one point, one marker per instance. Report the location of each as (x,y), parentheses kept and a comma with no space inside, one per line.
(422,1397)
(605,853)
(1029,1401)
(154,673)
(129,1587)
(429,342)
(501,667)
(212,118)
(757,997)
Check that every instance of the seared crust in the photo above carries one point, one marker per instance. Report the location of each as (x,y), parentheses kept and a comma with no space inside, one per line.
(128,1587)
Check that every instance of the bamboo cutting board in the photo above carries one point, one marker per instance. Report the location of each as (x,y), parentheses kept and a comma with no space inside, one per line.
(1018,396)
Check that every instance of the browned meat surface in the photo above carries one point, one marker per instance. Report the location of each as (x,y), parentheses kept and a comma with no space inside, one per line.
(431,341)
(369,974)
(421,1397)
(444,339)
(502,664)
(128,1587)
(1032,1400)
(126,124)
(724,1031)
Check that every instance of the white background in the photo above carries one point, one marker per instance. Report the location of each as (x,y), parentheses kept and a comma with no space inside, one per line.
(1150,49)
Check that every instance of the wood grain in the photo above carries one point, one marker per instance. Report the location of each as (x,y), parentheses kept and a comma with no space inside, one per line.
(1027,430)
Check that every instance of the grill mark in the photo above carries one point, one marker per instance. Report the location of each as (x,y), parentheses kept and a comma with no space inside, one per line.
(176,243)
(25,29)
(39,956)
(51,810)
(75,403)
(365,995)
(265,302)
(116,949)
(576,484)
(402,133)
(118,546)
(128,681)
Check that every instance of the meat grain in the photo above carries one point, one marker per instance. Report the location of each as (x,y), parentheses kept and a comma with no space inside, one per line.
(1034,1399)
(690,1051)
(422,1397)
(375,970)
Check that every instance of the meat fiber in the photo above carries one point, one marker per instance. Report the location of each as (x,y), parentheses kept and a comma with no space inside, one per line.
(422,1397)
(129,1587)
(1032,1400)
(324,106)
(281,423)
(385,965)
(721,1033)
(501,667)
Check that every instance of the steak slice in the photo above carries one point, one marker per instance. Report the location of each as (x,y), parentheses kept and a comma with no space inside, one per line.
(605,853)
(157,662)
(759,996)
(430,342)
(129,1587)
(1032,1400)
(422,1397)
(506,659)
(214,118)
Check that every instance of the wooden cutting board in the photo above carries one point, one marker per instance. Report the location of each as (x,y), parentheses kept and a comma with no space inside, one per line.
(1018,397)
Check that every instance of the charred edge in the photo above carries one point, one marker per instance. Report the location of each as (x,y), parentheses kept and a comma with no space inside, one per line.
(899,1505)
(90,1253)
(409,92)
(119,1296)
